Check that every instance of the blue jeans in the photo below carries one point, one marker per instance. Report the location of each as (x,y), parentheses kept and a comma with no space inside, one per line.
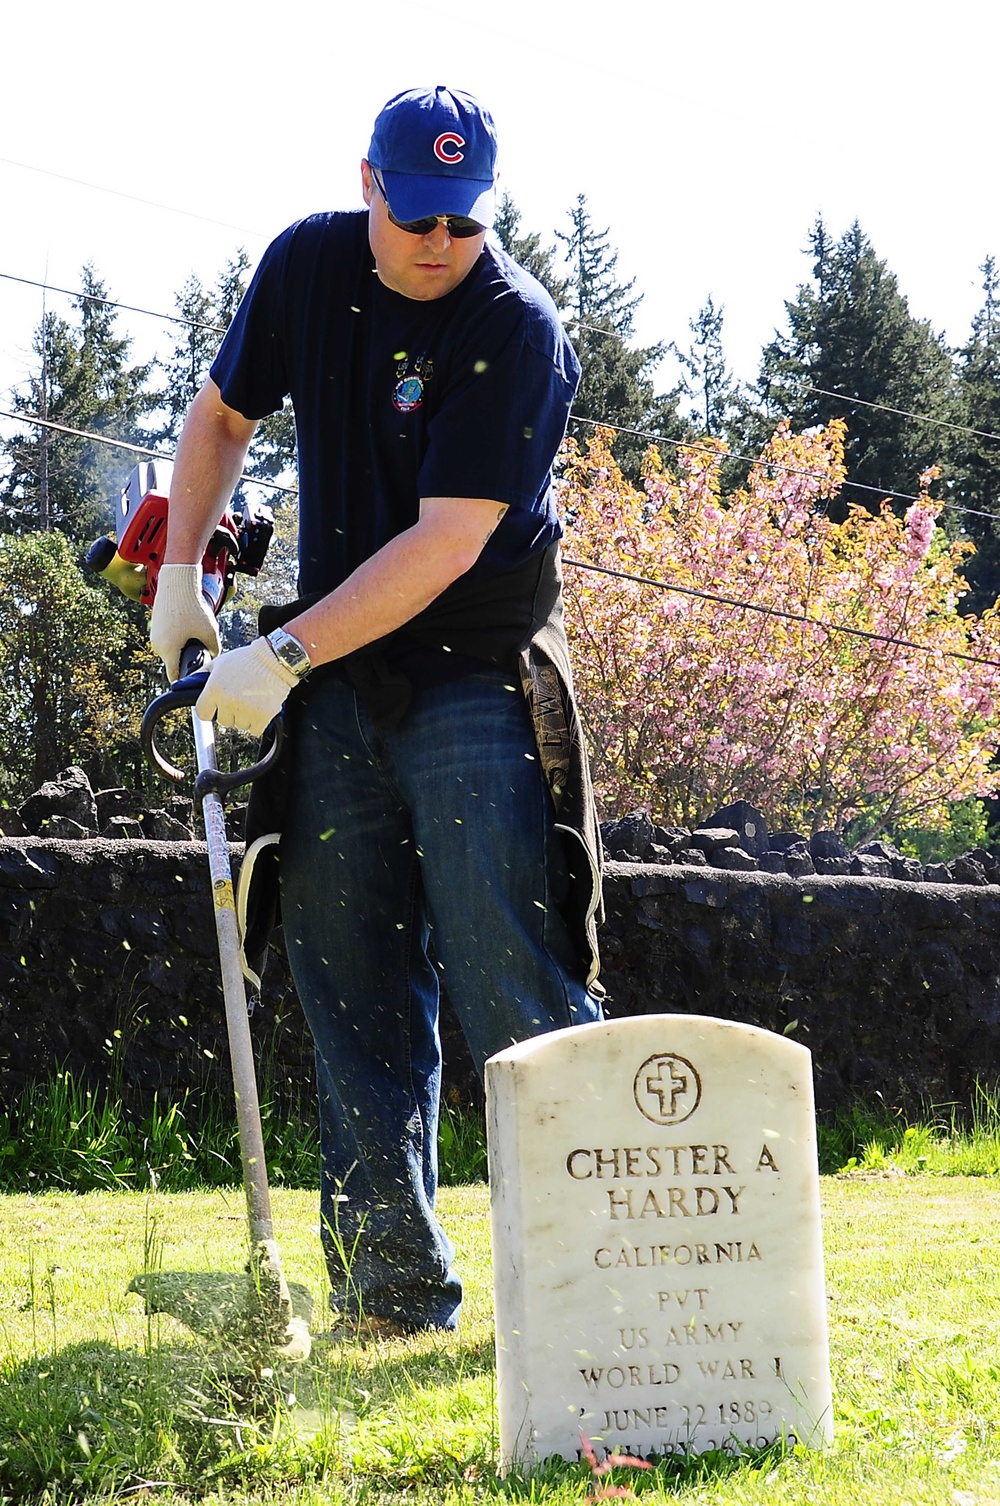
(441,826)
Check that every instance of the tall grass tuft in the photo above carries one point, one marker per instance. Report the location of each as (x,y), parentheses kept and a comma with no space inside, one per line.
(63,1134)
(946,1140)
(461,1146)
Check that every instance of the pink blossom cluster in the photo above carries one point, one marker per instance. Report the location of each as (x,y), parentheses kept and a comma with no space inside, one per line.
(691,701)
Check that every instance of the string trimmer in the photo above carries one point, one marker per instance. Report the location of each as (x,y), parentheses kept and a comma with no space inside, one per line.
(257,1309)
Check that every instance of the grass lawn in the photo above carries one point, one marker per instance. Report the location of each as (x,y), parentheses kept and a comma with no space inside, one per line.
(99,1403)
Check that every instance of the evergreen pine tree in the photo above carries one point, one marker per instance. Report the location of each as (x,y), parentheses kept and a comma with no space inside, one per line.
(208,313)
(84,380)
(708,383)
(977,457)
(594,294)
(186,368)
(616,386)
(230,285)
(528,251)
(851,334)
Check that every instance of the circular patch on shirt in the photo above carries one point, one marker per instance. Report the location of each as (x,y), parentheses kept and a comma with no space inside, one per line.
(409,394)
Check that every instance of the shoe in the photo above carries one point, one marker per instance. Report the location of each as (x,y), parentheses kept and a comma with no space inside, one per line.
(373,1329)
(368,1328)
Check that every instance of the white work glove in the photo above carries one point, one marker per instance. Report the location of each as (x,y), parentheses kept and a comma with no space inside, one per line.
(180,613)
(246,688)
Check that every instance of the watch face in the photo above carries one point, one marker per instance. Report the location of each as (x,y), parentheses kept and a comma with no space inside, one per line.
(290,651)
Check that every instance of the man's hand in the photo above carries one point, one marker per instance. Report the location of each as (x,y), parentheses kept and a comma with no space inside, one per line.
(180,613)
(246,688)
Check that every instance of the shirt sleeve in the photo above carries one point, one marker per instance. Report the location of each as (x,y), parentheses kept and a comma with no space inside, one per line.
(249,369)
(498,426)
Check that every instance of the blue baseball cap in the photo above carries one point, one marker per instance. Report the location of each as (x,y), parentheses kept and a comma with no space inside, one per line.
(435,150)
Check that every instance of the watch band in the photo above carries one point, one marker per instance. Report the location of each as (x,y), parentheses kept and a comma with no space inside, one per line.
(290,651)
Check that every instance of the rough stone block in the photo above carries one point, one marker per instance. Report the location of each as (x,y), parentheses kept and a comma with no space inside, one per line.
(64,828)
(672,837)
(733,858)
(798,862)
(748,822)
(782,841)
(118,828)
(68,795)
(20,869)
(827,844)
(880,849)
(160,826)
(706,891)
(116,802)
(868,865)
(630,837)
(989,862)
(708,838)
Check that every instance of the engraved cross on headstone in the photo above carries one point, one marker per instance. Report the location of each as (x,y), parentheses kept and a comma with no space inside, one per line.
(674,1086)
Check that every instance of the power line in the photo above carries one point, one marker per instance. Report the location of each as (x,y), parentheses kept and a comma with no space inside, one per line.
(133,198)
(685,444)
(604,423)
(178,319)
(133,449)
(972,512)
(619,428)
(710,449)
(640,580)
(750,606)
(219,329)
(31,418)
(921,418)
(790,470)
(680,444)
(215,329)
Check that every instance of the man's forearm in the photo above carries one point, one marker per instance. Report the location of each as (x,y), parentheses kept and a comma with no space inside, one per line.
(403,577)
(207,466)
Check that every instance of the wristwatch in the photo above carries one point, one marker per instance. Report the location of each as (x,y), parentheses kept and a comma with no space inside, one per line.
(290,651)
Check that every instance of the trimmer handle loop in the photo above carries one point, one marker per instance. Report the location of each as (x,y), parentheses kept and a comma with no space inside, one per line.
(217,782)
(184,692)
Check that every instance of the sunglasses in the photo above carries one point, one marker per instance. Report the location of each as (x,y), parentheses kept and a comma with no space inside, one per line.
(459,226)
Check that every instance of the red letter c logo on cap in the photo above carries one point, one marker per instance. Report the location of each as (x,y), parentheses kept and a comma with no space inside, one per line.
(446,147)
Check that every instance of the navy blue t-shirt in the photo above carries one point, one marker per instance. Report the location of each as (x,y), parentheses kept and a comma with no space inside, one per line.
(397,399)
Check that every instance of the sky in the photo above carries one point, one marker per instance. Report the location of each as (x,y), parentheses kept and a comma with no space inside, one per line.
(152,140)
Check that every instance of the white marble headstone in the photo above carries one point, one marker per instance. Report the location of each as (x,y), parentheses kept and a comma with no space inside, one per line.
(656,1240)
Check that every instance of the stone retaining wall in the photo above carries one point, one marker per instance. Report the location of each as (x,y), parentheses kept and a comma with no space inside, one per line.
(893,986)
(108,966)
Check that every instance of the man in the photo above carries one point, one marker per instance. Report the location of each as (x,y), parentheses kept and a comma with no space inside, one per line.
(432,740)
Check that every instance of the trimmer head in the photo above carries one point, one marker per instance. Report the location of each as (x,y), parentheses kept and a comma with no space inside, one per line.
(257,1310)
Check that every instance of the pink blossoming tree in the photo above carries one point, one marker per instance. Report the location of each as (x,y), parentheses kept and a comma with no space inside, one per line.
(691,701)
